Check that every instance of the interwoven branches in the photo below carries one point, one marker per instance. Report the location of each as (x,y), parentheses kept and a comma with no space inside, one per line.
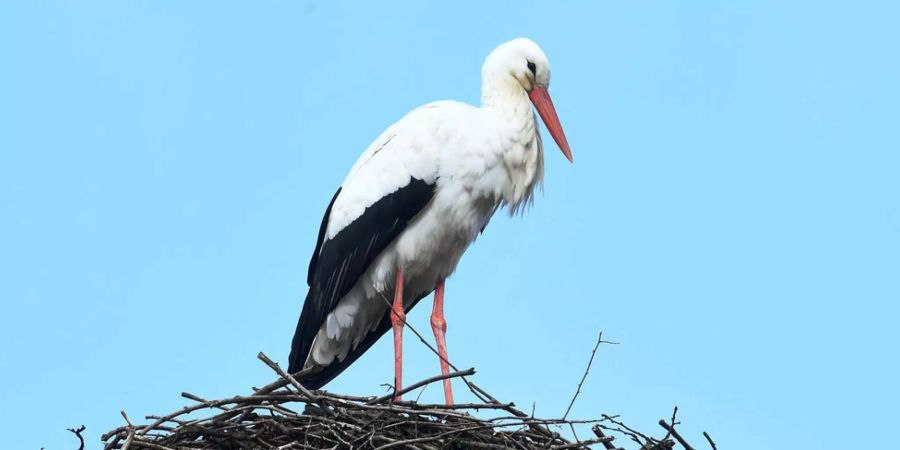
(284,415)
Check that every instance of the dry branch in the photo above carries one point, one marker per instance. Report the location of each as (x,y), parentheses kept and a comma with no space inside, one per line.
(77,432)
(586,371)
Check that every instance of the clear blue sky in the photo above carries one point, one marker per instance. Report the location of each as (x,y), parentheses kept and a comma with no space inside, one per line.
(732,216)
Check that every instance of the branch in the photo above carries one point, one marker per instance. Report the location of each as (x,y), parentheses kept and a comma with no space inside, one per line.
(709,439)
(77,432)
(671,429)
(586,370)
(415,386)
(669,433)
(608,445)
(290,379)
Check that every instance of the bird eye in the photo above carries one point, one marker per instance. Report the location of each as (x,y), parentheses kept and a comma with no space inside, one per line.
(532,68)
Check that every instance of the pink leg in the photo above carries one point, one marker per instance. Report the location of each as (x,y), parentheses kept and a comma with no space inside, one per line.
(398,319)
(439,326)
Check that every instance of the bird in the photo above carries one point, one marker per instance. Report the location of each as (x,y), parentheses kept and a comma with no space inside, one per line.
(412,204)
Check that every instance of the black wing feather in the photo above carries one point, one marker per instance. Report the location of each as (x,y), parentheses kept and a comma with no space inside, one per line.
(337,264)
(320,239)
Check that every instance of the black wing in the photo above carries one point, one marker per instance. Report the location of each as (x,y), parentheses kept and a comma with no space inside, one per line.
(337,264)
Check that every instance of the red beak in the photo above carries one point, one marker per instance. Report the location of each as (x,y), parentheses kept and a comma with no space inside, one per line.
(541,99)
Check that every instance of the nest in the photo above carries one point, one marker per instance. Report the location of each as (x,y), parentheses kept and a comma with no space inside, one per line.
(285,415)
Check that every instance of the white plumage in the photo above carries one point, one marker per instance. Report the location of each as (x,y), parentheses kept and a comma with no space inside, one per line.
(475,159)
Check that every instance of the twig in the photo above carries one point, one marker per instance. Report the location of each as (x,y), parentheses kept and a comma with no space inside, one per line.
(129,439)
(77,432)
(470,371)
(635,435)
(197,398)
(271,387)
(669,433)
(583,443)
(599,432)
(586,370)
(574,434)
(709,439)
(671,429)
(293,381)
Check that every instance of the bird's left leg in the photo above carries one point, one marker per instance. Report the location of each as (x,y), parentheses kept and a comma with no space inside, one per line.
(439,326)
(398,319)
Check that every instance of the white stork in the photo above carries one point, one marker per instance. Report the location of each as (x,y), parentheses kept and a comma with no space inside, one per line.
(411,206)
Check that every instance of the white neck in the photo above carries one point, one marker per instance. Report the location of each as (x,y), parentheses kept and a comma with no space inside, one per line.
(502,91)
(524,156)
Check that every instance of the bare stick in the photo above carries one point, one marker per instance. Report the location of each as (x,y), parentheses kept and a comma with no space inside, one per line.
(709,439)
(635,435)
(293,381)
(669,433)
(77,432)
(584,444)
(129,439)
(671,429)
(415,386)
(608,445)
(280,383)
(586,370)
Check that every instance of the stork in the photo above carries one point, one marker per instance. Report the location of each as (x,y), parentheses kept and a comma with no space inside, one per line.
(411,206)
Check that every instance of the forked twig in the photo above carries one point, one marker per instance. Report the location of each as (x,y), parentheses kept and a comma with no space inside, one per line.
(675,434)
(78,432)
(586,370)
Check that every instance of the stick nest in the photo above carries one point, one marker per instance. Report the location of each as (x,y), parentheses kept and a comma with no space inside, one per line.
(285,415)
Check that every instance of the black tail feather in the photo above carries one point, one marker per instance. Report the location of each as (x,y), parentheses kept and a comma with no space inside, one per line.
(302,344)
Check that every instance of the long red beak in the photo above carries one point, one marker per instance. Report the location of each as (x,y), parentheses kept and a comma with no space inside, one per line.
(541,99)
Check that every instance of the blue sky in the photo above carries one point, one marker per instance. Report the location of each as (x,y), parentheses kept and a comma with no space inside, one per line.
(732,216)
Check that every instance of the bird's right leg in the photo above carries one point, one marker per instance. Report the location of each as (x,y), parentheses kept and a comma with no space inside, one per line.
(439,326)
(398,319)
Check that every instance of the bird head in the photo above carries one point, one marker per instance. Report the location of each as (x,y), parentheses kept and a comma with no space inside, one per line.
(523,64)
